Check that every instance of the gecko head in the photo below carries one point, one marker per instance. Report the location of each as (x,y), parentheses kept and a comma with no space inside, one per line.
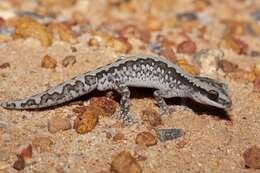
(212,92)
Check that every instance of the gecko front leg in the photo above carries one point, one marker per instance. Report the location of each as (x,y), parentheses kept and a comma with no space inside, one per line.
(124,114)
(159,96)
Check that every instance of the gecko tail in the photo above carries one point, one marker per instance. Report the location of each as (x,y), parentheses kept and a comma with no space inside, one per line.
(59,94)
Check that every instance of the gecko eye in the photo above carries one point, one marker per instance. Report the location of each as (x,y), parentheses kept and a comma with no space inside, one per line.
(213,95)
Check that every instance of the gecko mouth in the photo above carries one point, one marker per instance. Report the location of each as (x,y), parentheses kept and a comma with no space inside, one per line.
(225,103)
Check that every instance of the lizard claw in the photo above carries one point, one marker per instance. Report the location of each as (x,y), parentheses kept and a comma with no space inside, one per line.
(166,110)
(127,118)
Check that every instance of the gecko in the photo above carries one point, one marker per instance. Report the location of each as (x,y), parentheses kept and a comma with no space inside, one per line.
(166,78)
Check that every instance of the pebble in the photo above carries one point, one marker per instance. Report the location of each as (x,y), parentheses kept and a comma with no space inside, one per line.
(64,32)
(146,138)
(132,31)
(252,157)
(69,61)
(5,65)
(58,123)
(235,44)
(120,45)
(125,163)
(155,47)
(152,117)
(27,27)
(88,120)
(208,60)
(19,164)
(26,153)
(186,47)
(118,137)
(256,15)
(48,62)
(183,64)
(168,134)
(187,16)
(257,69)
(254,53)
(106,105)
(227,66)
(6,31)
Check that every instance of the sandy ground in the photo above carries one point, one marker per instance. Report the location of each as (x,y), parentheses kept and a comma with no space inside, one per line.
(212,143)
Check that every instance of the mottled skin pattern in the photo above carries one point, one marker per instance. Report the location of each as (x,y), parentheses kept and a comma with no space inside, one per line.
(136,71)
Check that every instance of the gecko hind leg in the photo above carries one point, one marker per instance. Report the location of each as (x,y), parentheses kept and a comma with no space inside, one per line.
(159,96)
(124,113)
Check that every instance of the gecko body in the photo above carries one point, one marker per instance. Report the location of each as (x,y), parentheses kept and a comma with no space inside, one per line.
(166,78)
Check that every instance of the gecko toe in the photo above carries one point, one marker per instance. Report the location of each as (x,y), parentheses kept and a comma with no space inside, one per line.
(166,111)
(126,118)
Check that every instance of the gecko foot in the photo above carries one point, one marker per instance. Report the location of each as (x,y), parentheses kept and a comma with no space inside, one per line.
(126,117)
(166,110)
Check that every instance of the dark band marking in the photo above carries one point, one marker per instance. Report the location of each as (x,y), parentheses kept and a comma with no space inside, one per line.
(65,95)
(29,103)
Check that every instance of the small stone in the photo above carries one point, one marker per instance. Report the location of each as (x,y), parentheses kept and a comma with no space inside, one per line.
(64,32)
(26,153)
(153,24)
(208,60)
(234,27)
(120,45)
(187,47)
(168,134)
(5,65)
(88,120)
(146,138)
(152,117)
(227,66)
(187,16)
(183,64)
(130,31)
(58,123)
(43,143)
(19,164)
(118,125)
(252,157)
(254,53)
(169,53)
(181,144)
(235,44)
(48,62)
(107,105)
(73,49)
(93,42)
(256,15)
(118,137)
(27,27)
(69,61)
(257,69)
(125,163)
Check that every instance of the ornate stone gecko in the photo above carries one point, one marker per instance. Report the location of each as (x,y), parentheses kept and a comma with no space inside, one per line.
(166,78)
